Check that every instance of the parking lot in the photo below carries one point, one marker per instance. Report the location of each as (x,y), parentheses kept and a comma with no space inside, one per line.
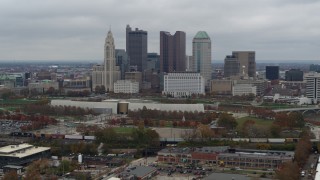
(8,126)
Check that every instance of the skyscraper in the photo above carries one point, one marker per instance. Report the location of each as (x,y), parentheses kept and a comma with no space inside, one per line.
(107,74)
(231,66)
(122,60)
(247,62)
(111,71)
(272,72)
(137,47)
(201,51)
(172,52)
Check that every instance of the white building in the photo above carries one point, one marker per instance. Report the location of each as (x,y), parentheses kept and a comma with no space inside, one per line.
(43,86)
(183,84)
(108,73)
(201,52)
(243,89)
(126,86)
(313,87)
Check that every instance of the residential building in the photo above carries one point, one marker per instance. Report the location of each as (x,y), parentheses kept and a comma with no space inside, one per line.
(294,75)
(22,154)
(183,84)
(122,61)
(243,89)
(126,86)
(313,87)
(172,52)
(201,52)
(137,47)
(272,72)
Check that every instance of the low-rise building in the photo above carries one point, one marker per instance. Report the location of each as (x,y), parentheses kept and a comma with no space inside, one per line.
(221,87)
(183,84)
(226,157)
(243,89)
(126,86)
(22,154)
(43,86)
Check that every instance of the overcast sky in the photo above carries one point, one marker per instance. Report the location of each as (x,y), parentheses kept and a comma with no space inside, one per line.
(76,29)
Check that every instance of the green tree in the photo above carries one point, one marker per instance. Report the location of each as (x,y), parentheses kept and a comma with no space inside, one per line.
(97,89)
(297,119)
(227,121)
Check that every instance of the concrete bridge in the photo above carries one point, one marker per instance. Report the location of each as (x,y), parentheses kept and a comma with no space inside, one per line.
(303,110)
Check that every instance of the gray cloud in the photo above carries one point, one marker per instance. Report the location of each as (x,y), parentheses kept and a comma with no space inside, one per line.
(76,29)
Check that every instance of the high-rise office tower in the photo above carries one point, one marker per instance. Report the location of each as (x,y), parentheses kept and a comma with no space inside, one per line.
(106,74)
(231,66)
(201,51)
(247,62)
(137,47)
(122,60)
(272,72)
(313,87)
(111,71)
(294,75)
(172,52)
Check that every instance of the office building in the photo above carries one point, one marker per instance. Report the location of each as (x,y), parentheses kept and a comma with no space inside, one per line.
(243,89)
(137,47)
(172,52)
(134,76)
(126,86)
(190,64)
(221,87)
(247,62)
(231,66)
(272,72)
(22,154)
(107,73)
(153,62)
(122,61)
(313,87)
(294,75)
(183,84)
(315,67)
(201,52)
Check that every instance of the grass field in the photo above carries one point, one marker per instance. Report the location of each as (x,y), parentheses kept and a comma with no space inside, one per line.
(258,121)
(278,106)
(123,129)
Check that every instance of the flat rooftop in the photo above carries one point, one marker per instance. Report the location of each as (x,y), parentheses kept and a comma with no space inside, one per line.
(21,150)
(13,148)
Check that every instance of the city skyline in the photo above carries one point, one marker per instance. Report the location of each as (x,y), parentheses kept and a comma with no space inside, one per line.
(55,30)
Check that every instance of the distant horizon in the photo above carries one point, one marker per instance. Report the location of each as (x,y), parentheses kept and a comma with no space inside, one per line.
(100,61)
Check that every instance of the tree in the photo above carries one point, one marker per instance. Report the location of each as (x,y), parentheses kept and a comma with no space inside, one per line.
(297,119)
(205,132)
(227,121)
(103,89)
(11,175)
(275,130)
(289,171)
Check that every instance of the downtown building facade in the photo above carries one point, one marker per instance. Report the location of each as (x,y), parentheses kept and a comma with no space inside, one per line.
(137,47)
(241,64)
(201,51)
(183,84)
(126,86)
(313,87)
(172,52)
(106,74)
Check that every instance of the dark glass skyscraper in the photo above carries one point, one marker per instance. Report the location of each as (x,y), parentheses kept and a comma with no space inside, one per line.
(172,52)
(272,72)
(137,47)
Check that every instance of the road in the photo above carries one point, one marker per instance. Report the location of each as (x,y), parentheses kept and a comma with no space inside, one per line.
(310,172)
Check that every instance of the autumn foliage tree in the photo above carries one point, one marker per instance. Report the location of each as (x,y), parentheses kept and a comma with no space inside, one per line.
(11,175)
(289,171)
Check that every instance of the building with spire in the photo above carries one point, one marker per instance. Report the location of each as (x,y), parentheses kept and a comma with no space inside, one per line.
(108,73)
(201,51)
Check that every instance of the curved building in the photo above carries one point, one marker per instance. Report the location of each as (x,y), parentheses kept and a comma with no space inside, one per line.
(201,51)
